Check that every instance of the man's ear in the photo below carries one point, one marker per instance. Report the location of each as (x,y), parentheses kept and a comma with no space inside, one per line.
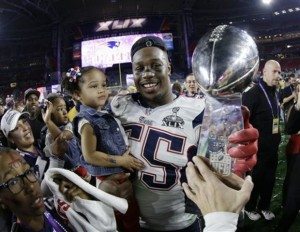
(169,68)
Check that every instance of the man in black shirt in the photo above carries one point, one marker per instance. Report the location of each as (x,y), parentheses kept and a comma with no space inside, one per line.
(263,104)
(287,96)
(31,97)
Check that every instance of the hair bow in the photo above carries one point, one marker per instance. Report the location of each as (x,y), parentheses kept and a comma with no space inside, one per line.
(73,73)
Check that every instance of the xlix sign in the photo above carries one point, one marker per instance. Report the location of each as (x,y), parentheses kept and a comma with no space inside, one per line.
(120,24)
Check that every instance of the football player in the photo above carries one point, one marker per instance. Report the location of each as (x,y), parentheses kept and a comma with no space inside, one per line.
(163,132)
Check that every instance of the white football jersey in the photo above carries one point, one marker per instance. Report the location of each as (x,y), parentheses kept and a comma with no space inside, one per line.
(161,138)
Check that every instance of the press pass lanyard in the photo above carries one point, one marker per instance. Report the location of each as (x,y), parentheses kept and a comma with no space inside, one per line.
(269,102)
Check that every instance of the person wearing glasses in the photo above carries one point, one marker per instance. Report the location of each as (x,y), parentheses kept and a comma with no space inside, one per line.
(20,192)
(78,210)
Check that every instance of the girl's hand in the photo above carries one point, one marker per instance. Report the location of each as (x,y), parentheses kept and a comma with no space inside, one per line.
(65,136)
(47,114)
(129,162)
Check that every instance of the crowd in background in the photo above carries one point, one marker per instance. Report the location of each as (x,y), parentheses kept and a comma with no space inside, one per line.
(53,143)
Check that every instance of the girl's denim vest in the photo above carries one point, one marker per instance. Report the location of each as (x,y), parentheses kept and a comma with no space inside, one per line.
(109,138)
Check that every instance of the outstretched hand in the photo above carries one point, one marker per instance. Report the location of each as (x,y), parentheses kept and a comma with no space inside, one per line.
(245,146)
(46,113)
(213,193)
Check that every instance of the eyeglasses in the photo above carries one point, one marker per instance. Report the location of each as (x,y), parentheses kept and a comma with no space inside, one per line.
(16,184)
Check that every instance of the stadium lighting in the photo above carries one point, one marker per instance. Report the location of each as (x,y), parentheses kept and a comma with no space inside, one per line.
(289,46)
(283,11)
(297,8)
(266,2)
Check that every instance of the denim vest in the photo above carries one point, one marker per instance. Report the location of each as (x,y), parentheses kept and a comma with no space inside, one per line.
(109,138)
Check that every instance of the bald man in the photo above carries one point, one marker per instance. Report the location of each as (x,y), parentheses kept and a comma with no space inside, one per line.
(263,104)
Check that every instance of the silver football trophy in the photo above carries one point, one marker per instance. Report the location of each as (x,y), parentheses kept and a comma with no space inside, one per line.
(224,62)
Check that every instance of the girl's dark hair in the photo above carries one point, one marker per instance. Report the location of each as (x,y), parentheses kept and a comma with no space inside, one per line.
(71,84)
(51,97)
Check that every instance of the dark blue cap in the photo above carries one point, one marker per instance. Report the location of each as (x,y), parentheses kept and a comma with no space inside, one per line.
(148,41)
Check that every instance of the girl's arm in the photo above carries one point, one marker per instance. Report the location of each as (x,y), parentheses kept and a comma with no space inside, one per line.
(89,144)
(53,129)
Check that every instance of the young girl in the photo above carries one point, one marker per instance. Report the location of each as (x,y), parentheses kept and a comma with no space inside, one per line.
(60,129)
(103,140)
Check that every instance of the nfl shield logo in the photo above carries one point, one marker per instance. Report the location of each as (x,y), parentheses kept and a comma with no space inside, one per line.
(221,162)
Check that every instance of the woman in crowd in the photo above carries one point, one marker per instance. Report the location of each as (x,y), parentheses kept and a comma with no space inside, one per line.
(18,132)
(291,190)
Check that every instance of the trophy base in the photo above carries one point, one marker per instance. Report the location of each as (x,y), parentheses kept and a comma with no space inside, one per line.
(222,117)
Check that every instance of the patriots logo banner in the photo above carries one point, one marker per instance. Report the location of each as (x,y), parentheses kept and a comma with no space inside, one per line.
(113,44)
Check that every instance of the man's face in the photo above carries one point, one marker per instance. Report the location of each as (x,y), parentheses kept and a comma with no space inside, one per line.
(191,84)
(29,201)
(272,73)
(151,70)
(32,103)
(293,81)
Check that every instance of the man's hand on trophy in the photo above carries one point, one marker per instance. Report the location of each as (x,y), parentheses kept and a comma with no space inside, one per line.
(212,192)
(244,146)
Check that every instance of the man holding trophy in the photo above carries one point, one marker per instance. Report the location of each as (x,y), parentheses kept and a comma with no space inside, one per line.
(164,132)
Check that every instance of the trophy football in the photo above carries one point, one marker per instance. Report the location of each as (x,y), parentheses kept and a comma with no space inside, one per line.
(224,62)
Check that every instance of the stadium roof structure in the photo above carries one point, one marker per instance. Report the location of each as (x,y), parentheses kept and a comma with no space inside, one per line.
(29,29)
